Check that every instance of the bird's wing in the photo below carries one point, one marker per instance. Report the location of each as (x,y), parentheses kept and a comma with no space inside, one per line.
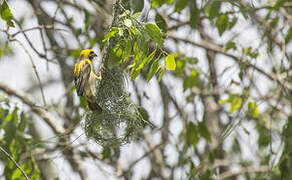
(81,75)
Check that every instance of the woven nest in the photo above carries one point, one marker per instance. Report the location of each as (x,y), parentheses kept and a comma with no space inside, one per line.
(120,121)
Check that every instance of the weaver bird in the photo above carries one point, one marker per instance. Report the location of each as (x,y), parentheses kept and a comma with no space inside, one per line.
(85,79)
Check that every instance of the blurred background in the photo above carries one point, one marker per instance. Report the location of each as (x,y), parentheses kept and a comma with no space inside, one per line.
(224,113)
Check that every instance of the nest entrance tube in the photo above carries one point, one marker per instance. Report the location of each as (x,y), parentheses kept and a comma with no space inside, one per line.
(120,120)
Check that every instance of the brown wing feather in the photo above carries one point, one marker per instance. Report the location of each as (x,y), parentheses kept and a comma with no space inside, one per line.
(82,79)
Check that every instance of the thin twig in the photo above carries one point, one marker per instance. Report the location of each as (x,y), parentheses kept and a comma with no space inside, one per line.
(40,27)
(34,69)
(16,164)
(145,155)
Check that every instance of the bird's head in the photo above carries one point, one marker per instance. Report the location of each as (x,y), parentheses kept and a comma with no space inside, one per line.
(87,54)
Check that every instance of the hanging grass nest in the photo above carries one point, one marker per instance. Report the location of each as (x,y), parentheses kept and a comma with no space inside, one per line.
(120,119)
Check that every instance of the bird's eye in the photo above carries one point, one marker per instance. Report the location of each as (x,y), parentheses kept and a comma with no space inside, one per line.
(91,55)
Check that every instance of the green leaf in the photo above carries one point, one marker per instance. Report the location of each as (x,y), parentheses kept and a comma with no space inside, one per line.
(161,73)
(106,152)
(204,130)
(288,36)
(274,22)
(91,42)
(87,20)
(155,3)
(232,23)
(235,104)
(189,60)
(16,174)
(253,109)
(279,4)
(76,53)
(180,5)
(146,60)
(143,42)
(126,13)
(250,52)
(230,45)
(179,68)
(192,134)
(285,163)
(154,32)
(134,73)
(118,50)
(136,15)
(170,62)
(222,102)
(137,5)
(194,14)
(2,52)
(35,176)
(191,80)
(23,121)
(215,8)
(112,33)
(161,23)
(83,102)
(150,57)
(127,50)
(6,14)
(77,32)
(222,23)
(153,69)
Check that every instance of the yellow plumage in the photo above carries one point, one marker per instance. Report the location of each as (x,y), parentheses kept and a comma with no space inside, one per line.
(85,79)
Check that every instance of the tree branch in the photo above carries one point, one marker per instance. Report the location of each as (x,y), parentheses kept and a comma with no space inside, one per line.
(158,157)
(213,47)
(250,169)
(40,111)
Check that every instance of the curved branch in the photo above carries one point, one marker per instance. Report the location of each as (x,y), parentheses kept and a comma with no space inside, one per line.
(40,111)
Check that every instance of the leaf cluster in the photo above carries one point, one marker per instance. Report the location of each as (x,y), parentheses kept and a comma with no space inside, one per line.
(13,125)
(137,45)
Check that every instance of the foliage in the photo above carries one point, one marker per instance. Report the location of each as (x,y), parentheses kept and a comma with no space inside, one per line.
(213,76)
(121,121)
(13,127)
(133,45)
(6,14)
(286,160)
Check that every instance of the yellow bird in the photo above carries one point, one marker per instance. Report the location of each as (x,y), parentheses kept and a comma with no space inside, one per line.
(85,79)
